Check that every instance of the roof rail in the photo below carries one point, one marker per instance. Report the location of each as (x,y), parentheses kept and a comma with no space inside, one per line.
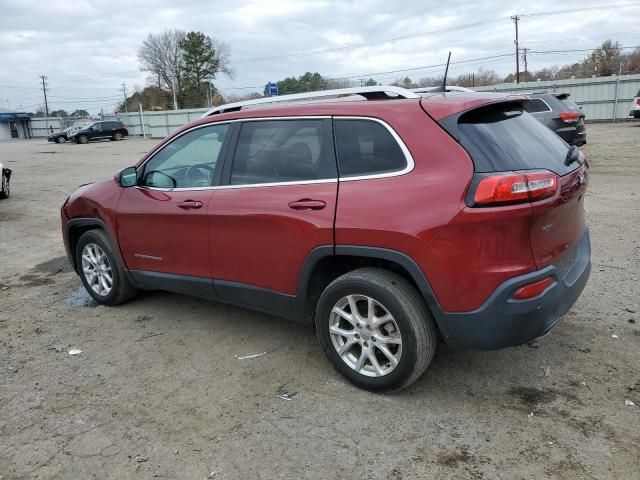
(448,88)
(370,93)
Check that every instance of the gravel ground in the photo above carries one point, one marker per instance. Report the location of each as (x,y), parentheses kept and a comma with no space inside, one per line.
(161,390)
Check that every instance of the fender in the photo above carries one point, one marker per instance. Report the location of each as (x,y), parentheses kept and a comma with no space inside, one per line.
(90,222)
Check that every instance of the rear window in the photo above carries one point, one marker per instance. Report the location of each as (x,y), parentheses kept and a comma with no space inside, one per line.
(569,104)
(535,105)
(365,147)
(503,137)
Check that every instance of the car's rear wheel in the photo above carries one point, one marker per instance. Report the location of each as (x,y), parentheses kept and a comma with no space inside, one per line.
(4,187)
(117,136)
(103,274)
(375,329)
(60,139)
(82,139)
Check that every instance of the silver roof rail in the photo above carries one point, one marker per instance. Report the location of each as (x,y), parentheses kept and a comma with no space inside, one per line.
(370,93)
(448,88)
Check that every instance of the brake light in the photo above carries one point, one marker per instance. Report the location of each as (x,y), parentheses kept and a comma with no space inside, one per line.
(533,289)
(638,101)
(569,116)
(509,188)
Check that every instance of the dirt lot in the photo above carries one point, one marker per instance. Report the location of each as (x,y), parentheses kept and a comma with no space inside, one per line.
(159,390)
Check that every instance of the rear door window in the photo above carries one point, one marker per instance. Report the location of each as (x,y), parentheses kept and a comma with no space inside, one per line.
(366,147)
(275,151)
(536,105)
(504,137)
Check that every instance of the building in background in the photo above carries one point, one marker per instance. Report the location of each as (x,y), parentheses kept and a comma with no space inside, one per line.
(14,125)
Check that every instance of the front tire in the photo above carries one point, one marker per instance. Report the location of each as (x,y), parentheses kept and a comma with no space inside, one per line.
(60,140)
(5,189)
(82,139)
(376,329)
(102,273)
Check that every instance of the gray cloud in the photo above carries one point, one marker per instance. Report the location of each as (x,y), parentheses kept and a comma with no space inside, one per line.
(87,48)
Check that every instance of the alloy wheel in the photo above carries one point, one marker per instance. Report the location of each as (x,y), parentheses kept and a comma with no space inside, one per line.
(365,335)
(97,269)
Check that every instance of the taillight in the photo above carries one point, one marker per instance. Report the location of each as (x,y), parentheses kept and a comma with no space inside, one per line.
(569,116)
(514,187)
(638,101)
(533,289)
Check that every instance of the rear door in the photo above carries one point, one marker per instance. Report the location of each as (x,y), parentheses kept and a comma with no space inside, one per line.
(503,138)
(278,204)
(162,222)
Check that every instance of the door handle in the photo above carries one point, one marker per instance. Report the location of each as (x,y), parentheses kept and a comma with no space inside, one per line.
(190,204)
(307,204)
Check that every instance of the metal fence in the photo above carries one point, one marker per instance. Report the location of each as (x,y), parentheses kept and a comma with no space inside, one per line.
(601,98)
(41,127)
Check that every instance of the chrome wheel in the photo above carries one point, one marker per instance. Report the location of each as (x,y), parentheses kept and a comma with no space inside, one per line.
(365,335)
(97,269)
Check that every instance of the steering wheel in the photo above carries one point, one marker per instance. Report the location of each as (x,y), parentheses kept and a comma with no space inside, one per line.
(199,175)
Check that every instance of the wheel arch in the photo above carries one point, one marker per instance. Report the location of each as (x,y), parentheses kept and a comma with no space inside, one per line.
(324,264)
(78,226)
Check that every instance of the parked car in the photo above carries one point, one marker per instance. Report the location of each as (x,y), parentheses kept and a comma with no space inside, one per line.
(386,223)
(560,114)
(63,136)
(635,109)
(99,130)
(5,179)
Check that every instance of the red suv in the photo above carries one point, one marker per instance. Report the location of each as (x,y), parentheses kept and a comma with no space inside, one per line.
(387,221)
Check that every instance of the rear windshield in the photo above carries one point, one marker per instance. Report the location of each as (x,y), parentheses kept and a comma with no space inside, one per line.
(569,104)
(503,137)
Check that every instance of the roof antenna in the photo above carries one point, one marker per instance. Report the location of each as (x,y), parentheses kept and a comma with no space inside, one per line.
(443,88)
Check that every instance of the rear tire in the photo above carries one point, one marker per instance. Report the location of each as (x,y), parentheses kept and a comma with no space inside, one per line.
(95,259)
(117,137)
(397,339)
(82,139)
(5,189)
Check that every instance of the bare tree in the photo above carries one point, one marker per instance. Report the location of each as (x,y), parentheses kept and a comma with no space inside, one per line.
(161,55)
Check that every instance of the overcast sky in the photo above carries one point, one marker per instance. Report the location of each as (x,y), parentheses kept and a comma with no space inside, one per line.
(88,48)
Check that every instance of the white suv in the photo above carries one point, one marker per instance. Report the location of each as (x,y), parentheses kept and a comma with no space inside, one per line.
(635,109)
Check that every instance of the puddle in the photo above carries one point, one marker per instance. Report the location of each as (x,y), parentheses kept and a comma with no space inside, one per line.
(80,298)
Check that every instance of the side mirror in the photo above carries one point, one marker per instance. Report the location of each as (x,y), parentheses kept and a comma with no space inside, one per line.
(128,177)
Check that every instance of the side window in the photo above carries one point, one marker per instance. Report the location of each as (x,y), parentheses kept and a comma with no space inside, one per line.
(366,147)
(187,162)
(535,105)
(272,151)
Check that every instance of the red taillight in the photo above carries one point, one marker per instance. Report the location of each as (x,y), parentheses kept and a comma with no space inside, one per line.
(637,101)
(509,188)
(533,289)
(569,116)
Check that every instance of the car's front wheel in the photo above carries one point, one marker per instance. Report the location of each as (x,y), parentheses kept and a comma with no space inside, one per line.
(60,139)
(4,187)
(375,329)
(102,273)
(82,139)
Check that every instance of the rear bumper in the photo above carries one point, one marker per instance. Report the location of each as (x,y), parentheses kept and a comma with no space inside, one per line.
(504,322)
(576,135)
(634,113)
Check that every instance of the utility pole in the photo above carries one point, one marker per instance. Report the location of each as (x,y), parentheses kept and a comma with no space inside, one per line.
(46,104)
(526,69)
(124,94)
(515,19)
(210,95)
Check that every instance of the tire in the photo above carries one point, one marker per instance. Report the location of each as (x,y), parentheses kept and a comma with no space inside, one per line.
(5,189)
(117,137)
(121,289)
(82,139)
(60,140)
(409,317)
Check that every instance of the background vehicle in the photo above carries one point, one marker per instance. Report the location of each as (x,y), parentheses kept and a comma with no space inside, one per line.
(560,114)
(635,109)
(63,136)
(100,130)
(5,179)
(383,220)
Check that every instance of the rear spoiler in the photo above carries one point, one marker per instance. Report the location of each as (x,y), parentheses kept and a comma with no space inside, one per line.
(561,96)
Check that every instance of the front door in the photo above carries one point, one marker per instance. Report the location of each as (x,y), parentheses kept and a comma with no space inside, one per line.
(162,222)
(277,206)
